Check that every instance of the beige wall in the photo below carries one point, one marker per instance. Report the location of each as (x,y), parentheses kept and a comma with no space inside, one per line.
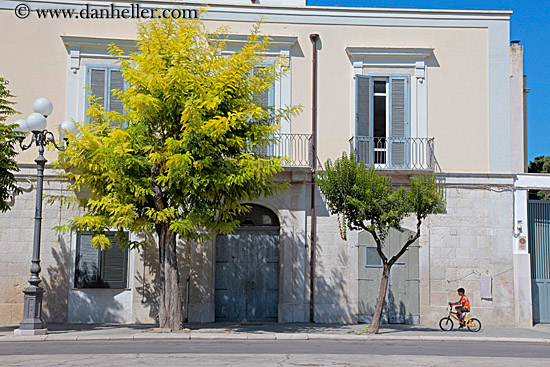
(457,77)
(518,142)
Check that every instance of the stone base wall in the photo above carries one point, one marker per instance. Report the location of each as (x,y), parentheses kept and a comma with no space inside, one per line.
(16,241)
(472,238)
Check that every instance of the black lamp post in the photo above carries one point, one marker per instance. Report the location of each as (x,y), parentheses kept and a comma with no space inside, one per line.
(32,323)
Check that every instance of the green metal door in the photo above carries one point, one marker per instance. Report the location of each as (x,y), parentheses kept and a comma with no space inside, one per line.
(247,269)
(247,276)
(539,250)
(402,297)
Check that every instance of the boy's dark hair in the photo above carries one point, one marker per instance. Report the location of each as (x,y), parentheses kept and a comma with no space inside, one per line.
(461,290)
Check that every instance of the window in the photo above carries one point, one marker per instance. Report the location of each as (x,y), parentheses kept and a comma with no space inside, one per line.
(372,259)
(100,268)
(383,120)
(101,80)
(266,100)
(267,97)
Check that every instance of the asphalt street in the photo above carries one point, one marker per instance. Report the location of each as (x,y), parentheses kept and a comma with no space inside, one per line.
(272,353)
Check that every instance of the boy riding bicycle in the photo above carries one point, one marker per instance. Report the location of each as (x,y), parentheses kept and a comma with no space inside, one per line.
(464,303)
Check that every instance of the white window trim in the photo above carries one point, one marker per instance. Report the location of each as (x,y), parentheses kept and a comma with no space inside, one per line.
(130,268)
(388,58)
(96,48)
(84,51)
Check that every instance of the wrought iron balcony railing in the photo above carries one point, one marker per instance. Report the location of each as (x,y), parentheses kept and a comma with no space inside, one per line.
(295,147)
(413,154)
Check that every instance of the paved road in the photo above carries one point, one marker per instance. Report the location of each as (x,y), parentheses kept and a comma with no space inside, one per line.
(272,353)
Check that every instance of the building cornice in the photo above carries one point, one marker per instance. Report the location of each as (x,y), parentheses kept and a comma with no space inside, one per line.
(239,40)
(98,42)
(389,52)
(305,14)
(97,47)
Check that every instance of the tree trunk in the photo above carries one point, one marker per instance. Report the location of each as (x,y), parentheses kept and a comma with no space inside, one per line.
(171,303)
(381,300)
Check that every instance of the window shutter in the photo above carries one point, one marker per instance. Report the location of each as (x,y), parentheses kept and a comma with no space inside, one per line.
(116,82)
(264,99)
(98,82)
(87,263)
(114,265)
(399,121)
(363,121)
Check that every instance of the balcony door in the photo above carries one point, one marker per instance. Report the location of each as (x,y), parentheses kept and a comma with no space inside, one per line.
(383,121)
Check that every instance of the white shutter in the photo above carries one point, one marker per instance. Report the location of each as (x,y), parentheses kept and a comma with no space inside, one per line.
(399,121)
(363,119)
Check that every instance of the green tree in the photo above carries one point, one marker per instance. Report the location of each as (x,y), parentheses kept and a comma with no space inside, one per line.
(540,164)
(183,158)
(367,201)
(9,138)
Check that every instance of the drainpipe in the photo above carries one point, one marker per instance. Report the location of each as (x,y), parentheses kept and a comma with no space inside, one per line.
(314,37)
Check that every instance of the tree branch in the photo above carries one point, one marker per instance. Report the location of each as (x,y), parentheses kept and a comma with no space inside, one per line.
(408,243)
(372,231)
(158,196)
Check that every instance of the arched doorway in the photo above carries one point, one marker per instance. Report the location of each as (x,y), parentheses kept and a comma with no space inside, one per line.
(247,269)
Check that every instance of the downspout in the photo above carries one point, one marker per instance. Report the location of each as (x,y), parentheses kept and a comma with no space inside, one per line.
(314,37)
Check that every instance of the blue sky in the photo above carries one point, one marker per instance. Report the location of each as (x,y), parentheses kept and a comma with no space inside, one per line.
(530,24)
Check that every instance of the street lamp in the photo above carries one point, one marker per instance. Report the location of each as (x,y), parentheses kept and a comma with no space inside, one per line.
(32,323)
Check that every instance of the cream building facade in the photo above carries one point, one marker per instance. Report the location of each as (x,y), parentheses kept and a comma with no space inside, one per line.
(410,91)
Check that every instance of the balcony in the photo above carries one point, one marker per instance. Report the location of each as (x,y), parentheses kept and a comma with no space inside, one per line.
(295,147)
(395,154)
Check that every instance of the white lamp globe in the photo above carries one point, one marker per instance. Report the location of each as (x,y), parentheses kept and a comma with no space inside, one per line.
(43,106)
(67,127)
(36,122)
(22,127)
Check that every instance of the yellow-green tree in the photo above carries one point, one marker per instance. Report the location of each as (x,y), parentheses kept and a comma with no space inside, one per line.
(182,158)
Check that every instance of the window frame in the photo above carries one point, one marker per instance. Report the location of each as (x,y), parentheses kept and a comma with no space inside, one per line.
(381,155)
(100,284)
(107,89)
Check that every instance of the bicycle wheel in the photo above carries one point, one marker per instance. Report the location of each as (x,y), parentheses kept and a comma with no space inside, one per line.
(474,325)
(446,324)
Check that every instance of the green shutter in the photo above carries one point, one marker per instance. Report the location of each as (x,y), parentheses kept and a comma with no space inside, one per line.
(399,121)
(87,274)
(116,82)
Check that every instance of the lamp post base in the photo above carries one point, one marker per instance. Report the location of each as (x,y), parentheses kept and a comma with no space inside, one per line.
(32,323)
(32,332)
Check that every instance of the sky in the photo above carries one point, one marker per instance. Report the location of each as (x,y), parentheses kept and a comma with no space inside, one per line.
(530,24)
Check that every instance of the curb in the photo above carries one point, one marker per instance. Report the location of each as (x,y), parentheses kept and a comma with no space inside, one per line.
(261,336)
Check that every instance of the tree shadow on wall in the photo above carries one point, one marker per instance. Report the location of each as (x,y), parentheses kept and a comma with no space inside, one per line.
(56,284)
(63,304)
(147,275)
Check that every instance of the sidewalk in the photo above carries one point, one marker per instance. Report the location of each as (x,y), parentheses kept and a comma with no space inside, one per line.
(275,331)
